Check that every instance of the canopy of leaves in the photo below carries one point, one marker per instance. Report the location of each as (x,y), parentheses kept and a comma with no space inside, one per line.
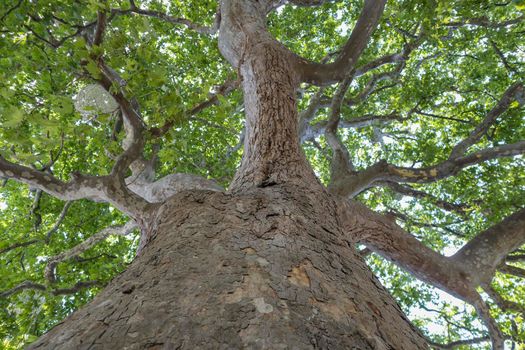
(459,58)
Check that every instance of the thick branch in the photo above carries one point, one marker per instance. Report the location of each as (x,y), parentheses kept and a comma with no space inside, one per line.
(162,189)
(79,187)
(97,188)
(387,239)
(307,115)
(324,74)
(488,250)
(341,163)
(315,130)
(459,275)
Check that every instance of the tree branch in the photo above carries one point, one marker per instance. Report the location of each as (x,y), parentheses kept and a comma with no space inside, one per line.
(398,215)
(100,28)
(134,142)
(473,266)
(488,250)
(79,187)
(308,132)
(412,192)
(17,5)
(512,270)
(508,97)
(341,163)
(59,291)
(386,238)
(57,224)
(307,3)
(22,286)
(19,245)
(324,74)
(162,189)
(77,287)
(502,57)
(450,167)
(223,90)
(52,262)
(503,304)
(97,188)
(48,234)
(517,257)
(315,130)
(458,343)
(356,182)
(485,22)
(170,19)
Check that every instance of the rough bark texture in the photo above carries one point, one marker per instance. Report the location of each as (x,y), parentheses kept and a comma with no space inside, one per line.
(270,77)
(265,269)
(271,153)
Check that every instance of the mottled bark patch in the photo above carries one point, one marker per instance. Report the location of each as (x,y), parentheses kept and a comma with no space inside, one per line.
(298,275)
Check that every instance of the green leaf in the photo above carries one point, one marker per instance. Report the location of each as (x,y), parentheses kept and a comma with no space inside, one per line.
(13,117)
(93,69)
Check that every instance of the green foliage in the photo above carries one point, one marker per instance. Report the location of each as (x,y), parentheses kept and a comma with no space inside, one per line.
(456,72)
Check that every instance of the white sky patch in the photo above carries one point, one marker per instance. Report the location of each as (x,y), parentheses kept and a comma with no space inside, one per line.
(450,250)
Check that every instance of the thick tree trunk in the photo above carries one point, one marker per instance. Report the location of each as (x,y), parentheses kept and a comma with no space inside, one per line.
(265,266)
(263,269)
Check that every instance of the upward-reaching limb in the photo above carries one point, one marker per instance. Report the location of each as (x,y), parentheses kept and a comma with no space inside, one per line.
(460,275)
(328,73)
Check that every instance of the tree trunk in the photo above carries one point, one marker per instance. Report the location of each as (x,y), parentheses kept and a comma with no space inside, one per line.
(266,268)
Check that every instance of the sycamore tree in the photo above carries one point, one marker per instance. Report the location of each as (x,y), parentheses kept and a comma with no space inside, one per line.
(264,174)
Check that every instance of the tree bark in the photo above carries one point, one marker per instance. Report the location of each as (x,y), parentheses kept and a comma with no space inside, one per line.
(263,269)
(270,78)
